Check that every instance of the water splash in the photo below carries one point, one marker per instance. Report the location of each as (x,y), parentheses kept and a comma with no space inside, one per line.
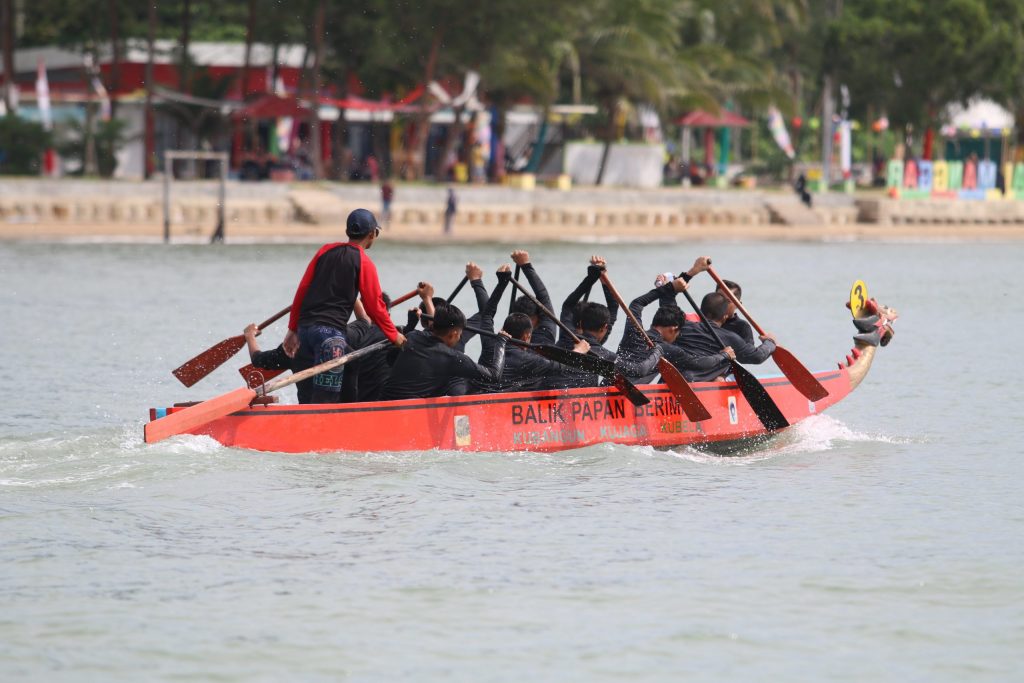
(816,434)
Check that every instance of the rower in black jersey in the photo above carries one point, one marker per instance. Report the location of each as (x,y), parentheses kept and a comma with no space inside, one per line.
(525,370)
(277,359)
(430,366)
(365,378)
(573,306)
(735,323)
(664,330)
(698,339)
(544,328)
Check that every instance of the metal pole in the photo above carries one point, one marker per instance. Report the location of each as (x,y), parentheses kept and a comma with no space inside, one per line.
(168,169)
(834,10)
(684,144)
(218,234)
(827,110)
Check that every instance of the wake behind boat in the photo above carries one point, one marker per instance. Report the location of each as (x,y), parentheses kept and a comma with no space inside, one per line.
(542,421)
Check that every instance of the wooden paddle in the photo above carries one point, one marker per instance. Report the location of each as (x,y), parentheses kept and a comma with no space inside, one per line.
(635,396)
(254,376)
(795,371)
(187,419)
(677,384)
(512,298)
(212,358)
(579,361)
(402,299)
(457,289)
(757,396)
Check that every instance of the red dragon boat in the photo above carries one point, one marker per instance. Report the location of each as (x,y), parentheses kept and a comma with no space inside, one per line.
(537,420)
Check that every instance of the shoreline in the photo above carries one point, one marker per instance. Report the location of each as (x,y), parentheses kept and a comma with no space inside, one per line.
(304,233)
(118,211)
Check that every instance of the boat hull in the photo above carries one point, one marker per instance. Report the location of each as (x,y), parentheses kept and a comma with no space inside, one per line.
(541,421)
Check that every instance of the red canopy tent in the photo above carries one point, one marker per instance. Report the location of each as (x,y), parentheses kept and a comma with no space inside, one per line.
(271,107)
(709,122)
(704,119)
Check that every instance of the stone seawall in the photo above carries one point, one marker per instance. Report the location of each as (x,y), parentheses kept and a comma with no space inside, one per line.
(68,209)
(886,211)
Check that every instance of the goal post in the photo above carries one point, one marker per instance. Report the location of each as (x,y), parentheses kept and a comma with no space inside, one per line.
(170,157)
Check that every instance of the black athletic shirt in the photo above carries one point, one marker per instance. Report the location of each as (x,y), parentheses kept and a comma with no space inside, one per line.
(337,275)
(739,327)
(426,367)
(364,379)
(634,347)
(277,359)
(696,338)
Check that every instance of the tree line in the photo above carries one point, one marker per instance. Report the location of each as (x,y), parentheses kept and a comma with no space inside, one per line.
(905,59)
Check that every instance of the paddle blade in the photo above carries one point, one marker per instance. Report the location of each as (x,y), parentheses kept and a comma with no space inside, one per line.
(635,396)
(209,360)
(681,389)
(183,421)
(255,376)
(757,396)
(577,361)
(798,374)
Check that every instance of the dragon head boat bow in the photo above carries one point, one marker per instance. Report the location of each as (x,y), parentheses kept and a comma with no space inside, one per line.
(552,420)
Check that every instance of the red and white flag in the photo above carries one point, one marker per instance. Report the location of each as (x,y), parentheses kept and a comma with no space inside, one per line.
(43,95)
(45,115)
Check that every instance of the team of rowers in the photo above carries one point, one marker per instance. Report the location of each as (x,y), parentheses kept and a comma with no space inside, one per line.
(341,282)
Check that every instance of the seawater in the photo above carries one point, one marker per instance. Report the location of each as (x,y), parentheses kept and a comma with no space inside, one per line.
(880,541)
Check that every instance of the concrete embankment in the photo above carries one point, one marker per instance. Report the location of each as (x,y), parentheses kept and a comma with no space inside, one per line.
(83,209)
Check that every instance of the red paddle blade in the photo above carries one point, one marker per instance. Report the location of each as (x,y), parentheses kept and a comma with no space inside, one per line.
(801,378)
(183,421)
(209,360)
(684,393)
(255,376)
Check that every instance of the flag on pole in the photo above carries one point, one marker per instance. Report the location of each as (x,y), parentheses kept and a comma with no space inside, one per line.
(45,115)
(778,130)
(97,85)
(845,140)
(43,95)
(281,140)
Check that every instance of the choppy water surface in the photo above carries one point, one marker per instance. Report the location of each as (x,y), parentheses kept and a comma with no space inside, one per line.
(879,541)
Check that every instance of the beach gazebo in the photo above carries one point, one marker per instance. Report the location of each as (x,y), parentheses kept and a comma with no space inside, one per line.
(982,127)
(724,121)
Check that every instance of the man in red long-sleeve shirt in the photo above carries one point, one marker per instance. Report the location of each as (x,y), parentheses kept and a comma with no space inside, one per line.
(339,274)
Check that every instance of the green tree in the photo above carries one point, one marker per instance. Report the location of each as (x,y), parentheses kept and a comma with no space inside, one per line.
(629,51)
(109,138)
(911,58)
(22,144)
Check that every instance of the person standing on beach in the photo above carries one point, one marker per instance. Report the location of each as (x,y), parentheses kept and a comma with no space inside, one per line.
(449,211)
(339,274)
(387,194)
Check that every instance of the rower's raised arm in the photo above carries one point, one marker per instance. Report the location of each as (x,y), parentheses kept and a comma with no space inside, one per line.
(632,338)
(478,319)
(504,275)
(546,331)
(569,305)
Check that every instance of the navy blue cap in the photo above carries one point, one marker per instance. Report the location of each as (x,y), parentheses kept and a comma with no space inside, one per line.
(360,223)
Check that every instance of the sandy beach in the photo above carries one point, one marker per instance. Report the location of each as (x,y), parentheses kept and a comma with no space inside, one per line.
(302,232)
(93,210)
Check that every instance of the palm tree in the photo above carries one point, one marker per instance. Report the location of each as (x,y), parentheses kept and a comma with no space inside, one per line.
(629,51)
